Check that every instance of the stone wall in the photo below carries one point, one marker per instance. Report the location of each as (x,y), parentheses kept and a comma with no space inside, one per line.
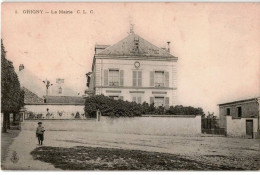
(185,126)
(237,127)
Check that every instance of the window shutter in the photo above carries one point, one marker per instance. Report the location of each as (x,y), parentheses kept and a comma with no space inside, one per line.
(134,99)
(166,102)
(134,78)
(121,77)
(139,78)
(151,100)
(105,77)
(139,100)
(121,98)
(152,78)
(166,79)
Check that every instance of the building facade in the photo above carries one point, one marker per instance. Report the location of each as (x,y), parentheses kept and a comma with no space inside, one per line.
(57,102)
(134,70)
(240,118)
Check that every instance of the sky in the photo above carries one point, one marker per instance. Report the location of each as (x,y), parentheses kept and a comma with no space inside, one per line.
(218,44)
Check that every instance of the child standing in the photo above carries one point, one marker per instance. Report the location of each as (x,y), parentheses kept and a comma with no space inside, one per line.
(40,132)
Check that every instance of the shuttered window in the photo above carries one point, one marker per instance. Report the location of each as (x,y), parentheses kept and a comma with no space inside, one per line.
(113,77)
(151,100)
(166,102)
(137,99)
(105,77)
(114,97)
(137,78)
(159,78)
(134,78)
(121,77)
(158,101)
(152,78)
(166,79)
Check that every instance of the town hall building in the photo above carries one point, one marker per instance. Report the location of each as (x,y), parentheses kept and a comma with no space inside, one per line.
(134,70)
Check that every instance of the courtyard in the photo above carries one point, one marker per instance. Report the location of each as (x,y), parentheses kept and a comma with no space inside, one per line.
(93,150)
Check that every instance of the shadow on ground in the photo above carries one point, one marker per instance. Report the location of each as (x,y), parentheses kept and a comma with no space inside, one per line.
(97,158)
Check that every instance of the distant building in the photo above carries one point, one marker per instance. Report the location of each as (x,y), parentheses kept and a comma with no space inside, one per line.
(60,102)
(240,118)
(134,70)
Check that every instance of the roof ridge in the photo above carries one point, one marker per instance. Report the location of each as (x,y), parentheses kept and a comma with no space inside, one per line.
(126,48)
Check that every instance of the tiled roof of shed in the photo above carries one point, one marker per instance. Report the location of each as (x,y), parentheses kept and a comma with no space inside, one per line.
(31,98)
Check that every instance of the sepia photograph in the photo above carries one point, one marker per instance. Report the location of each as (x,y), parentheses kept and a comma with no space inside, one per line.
(129,86)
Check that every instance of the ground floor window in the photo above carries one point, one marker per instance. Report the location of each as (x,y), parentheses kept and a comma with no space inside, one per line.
(114,97)
(158,101)
(137,99)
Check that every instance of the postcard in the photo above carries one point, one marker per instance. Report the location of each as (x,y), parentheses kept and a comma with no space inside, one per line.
(130,86)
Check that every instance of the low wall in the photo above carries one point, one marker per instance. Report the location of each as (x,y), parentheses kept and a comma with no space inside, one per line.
(153,125)
(237,127)
(135,125)
(55,111)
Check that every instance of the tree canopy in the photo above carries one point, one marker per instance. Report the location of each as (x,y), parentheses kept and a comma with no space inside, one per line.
(12,97)
(120,108)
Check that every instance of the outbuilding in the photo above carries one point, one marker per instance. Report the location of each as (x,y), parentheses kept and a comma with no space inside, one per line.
(241,118)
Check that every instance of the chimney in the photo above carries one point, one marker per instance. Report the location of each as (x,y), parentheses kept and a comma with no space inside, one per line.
(168,49)
(21,67)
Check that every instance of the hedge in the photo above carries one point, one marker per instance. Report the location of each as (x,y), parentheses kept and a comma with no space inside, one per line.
(119,108)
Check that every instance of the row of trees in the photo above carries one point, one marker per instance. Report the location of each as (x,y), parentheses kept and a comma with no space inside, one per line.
(12,96)
(119,108)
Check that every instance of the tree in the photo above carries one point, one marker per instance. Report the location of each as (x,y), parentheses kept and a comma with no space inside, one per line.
(119,108)
(12,97)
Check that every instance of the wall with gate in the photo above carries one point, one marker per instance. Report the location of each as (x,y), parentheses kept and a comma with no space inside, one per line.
(237,127)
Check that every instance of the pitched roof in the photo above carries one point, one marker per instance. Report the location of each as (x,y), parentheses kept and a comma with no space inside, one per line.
(134,45)
(31,82)
(31,98)
(64,100)
(240,101)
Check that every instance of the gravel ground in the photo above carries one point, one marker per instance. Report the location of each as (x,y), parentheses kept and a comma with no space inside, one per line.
(6,140)
(193,153)
(89,158)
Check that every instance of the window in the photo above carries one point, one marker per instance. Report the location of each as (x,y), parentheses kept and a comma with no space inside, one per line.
(137,78)
(228,111)
(159,78)
(158,101)
(114,97)
(60,90)
(137,99)
(113,77)
(239,111)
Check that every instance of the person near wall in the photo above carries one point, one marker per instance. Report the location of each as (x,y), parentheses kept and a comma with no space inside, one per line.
(40,133)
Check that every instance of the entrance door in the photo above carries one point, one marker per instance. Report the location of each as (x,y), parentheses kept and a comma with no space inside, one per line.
(249,127)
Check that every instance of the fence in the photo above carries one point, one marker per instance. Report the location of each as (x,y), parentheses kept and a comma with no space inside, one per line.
(211,126)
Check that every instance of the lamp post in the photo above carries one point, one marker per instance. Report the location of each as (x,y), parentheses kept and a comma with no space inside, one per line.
(47,84)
